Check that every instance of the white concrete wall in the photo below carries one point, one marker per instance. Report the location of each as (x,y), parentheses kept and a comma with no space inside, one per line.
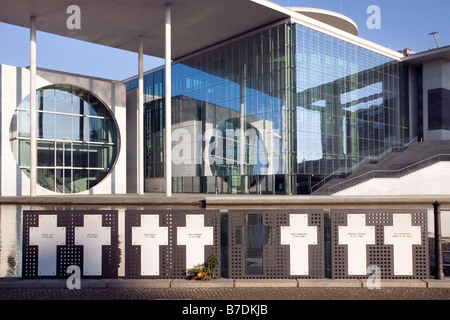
(432,180)
(14,87)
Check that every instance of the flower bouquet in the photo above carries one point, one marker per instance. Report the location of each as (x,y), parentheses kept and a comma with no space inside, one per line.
(205,271)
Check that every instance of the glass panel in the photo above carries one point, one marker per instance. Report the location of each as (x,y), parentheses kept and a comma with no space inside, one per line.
(110,135)
(59,180)
(63,127)
(63,100)
(101,156)
(45,154)
(59,154)
(24,153)
(47,102)
(80,155)
(67,154)
(46,125)
(96,131)
(77,128)
(80,180)
(46,178)
(67,180)
(77,104)
(63,180)
(24,124)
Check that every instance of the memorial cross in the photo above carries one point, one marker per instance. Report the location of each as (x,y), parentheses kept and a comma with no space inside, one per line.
(195,236)
(92,236)
(356,235)
(150,236)
(299,236)
(47,237)
(402,235)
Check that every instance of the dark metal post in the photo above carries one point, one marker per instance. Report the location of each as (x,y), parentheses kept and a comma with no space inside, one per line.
(439,274)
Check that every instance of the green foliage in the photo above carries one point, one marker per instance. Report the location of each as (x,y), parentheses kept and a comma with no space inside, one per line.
(205,271)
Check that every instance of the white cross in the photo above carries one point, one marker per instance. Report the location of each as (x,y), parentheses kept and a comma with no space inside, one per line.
(403,236)
(92,236)
(299,236)
(356,235)
(195,236)
(150,236)
(47,236)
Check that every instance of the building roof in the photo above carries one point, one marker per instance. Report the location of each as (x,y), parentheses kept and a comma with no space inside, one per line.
(196,24)
(421,57)
(334,19)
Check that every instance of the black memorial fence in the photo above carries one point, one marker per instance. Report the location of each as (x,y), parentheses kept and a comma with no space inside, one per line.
(250,244)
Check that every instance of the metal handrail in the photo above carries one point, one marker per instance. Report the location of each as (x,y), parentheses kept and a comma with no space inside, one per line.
(363,163)
(390,173)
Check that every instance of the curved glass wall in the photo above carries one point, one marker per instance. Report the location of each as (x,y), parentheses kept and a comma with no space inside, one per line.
(77,138)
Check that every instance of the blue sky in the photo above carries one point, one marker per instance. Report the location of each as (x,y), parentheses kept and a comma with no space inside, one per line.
(404,24)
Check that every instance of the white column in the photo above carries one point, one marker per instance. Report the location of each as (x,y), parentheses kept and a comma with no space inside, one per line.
(140,120)
(168,104)
(33,142)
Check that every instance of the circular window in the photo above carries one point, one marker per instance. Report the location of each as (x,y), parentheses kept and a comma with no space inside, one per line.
(77,138)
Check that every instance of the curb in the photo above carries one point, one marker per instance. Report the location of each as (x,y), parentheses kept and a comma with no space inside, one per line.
(17,283)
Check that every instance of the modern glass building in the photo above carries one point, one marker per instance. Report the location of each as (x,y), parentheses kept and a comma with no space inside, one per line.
(274,111)
(274,101)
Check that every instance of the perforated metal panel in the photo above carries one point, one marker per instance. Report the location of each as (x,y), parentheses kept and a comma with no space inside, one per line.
(70,254)
(380,254)
(256,250)
(172,257)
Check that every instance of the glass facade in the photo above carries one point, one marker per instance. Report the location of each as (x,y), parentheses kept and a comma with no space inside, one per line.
(274,112)
(349,103)
(77,138)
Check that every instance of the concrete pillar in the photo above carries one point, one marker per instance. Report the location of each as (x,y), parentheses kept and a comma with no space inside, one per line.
(33,133)
(140,119)
(168,103)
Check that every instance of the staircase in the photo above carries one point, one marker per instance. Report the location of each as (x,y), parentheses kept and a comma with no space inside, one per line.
(397,164)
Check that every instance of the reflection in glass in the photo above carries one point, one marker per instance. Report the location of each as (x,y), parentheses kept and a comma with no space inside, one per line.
(76,135)
(318,105)
(24,124)
(46,178)
(80,155)
(45,154)
(63,127)
(46,125)
(64,100)
(24,153)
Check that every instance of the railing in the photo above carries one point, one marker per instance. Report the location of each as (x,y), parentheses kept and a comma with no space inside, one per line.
(388,173)
(342,173)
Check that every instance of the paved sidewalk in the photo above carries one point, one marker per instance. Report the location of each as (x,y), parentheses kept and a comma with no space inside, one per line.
(224,289)
(121,283)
